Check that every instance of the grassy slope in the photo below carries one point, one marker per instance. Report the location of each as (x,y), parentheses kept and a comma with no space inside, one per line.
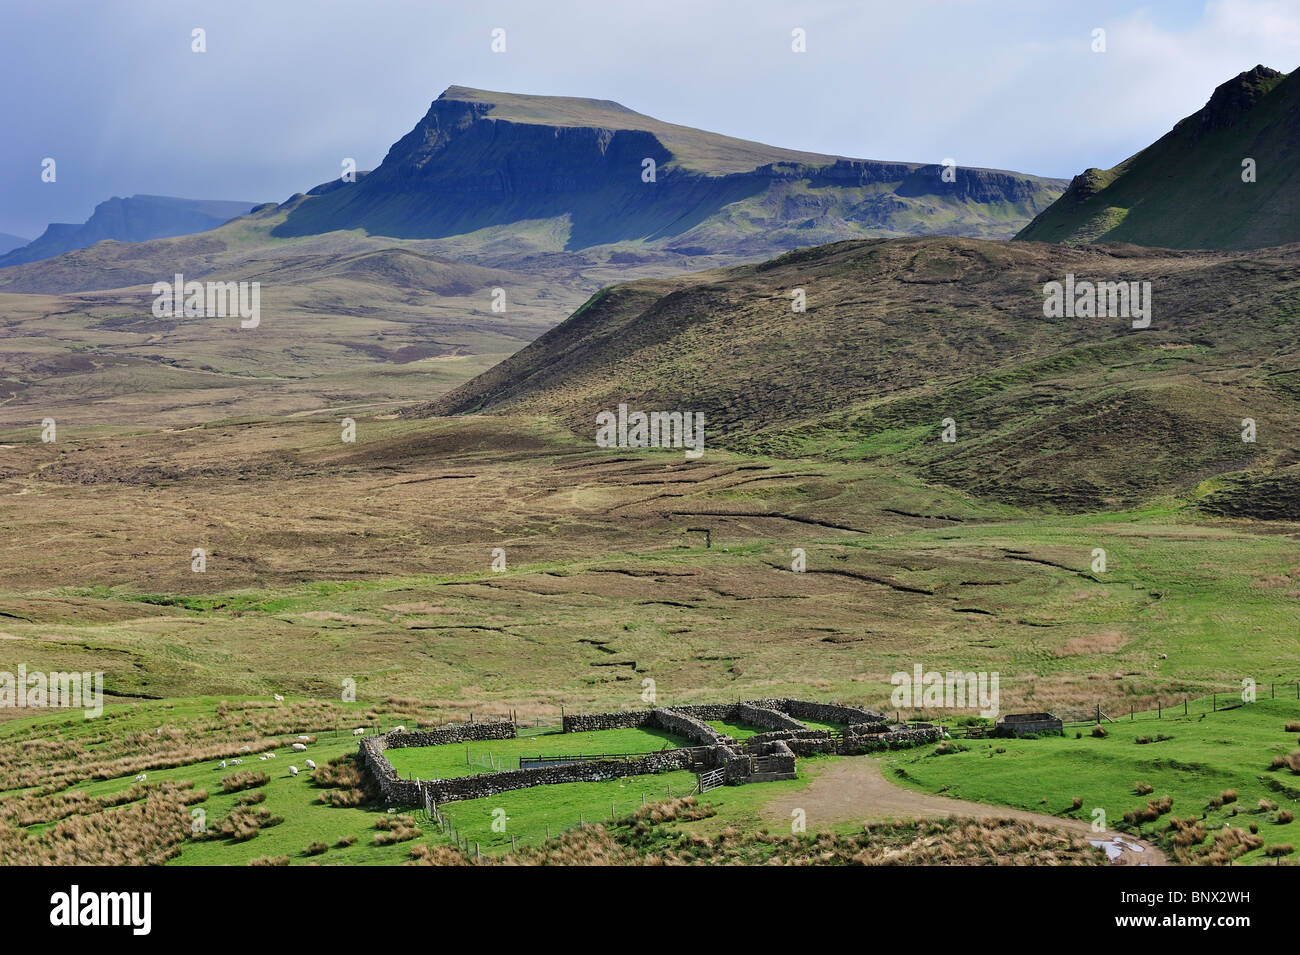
(320,569)
(1073,413)
(1208,753)
(1185,191)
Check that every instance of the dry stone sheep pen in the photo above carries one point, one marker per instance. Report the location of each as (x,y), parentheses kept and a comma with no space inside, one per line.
(766,756)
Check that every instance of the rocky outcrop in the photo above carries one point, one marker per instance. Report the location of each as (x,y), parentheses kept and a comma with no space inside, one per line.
(480,159)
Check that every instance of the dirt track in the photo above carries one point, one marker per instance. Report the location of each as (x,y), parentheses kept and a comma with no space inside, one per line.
(857,790)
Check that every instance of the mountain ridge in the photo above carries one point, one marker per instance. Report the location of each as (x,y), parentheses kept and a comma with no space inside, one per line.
(479,159)
(1187,189)
(137,218)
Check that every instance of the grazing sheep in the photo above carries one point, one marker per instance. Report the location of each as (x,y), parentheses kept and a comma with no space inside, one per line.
(236,762)
(300,747)
(1164,656)
(279,698)
(223,764)
(303,736)
(245,748)
(140,778)
(270,755)
(400,729)
(262,758)
(358,731)
(293,770)
(311,764)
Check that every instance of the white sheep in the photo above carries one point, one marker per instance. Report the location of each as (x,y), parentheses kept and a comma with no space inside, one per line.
(303,736)
(400,729)
(311,764)
(262,758)
(223,764)
(300,747)
(279,698)
(245,748)
(140,778)
(293,770)
(236,762)
(270,755)
(358,731)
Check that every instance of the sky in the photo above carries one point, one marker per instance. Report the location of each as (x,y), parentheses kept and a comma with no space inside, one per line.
(113,92)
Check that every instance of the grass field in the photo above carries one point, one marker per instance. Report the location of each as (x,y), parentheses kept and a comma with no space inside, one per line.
(479,756)
(1204,756)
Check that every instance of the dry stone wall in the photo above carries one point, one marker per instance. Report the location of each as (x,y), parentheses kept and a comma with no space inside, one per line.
(452,733)
(775,751)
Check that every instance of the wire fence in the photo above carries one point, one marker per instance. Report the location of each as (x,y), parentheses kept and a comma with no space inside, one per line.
(1215,702)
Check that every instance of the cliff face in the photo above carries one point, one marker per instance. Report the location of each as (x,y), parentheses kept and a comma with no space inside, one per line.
(478,160)
(1186,190)
(133,219)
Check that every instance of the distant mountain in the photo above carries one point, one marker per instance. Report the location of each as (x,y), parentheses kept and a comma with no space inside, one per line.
(900,335)
(9,242)
(135,219)
(1185,191)
(568,174)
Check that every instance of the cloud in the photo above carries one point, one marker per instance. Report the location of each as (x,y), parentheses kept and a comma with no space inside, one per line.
(288,89)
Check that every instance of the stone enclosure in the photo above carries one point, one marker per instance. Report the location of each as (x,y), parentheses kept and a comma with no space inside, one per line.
(763,757)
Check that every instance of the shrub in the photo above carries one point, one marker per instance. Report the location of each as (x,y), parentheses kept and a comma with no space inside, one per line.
(344,842)
(1279,850)
(1254,828)
(1077,803)
(1284,817)
(270,860)
(315,849)
(1278,762)
(248,779)
(397,834)
(1142,739)
(1099,731)
(1144,789)
(1293,762)
(1266,806)
(251,799)
(1293,727)
(1229,795)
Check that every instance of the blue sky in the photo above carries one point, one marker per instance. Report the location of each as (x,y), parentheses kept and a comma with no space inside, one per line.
(287,88)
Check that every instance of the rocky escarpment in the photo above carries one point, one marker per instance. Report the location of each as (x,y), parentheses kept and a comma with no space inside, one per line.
(598,173)
(134,219)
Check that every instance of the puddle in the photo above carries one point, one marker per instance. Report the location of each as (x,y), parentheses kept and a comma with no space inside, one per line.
(1114,848)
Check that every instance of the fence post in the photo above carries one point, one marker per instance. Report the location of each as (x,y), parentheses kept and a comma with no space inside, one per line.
(1184,706)
(1215,698)
(1098,714)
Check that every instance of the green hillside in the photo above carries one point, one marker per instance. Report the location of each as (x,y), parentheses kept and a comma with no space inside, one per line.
(898,335)
(1186,190)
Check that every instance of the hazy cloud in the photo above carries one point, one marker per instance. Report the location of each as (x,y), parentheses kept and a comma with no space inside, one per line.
(287,89)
